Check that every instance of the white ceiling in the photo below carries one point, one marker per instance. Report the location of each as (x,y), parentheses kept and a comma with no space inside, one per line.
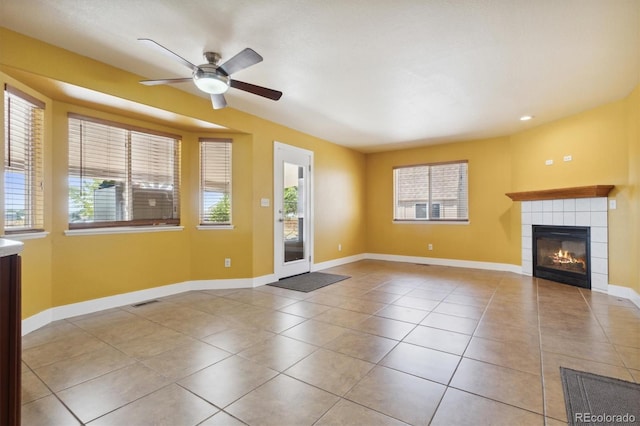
(371,74)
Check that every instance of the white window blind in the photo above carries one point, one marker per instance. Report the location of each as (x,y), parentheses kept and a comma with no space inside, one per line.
(121,175)
(215,182)
(431,192)
(23,166)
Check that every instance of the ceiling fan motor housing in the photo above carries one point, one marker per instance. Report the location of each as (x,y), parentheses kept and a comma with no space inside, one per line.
(211,80)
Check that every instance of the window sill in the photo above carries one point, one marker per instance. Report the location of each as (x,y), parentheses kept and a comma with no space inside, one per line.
(26,236)
(214,227)
(122,230)
(432,222)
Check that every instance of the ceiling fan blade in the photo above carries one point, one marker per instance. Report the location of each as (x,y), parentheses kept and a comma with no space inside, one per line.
(160,48)
(218,101)
(256,90)
(242,60)
(166,81)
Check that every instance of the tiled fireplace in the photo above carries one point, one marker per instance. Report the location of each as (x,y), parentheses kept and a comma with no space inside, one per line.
(591,212)
(569,207)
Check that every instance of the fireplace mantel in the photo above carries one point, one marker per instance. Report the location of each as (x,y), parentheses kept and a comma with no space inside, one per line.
(562,193)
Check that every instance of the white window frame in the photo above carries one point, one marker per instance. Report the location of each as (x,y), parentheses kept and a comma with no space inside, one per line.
(425,194)
(32,165)
(154,198)
(215,172)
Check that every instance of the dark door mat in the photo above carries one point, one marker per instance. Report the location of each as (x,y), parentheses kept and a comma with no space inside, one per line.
(595,400)
(309,281)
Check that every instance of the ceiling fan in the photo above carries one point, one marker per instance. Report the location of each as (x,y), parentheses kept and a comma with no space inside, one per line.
(212,78)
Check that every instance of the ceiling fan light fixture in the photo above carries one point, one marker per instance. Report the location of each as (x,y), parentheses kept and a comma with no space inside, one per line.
(211,82)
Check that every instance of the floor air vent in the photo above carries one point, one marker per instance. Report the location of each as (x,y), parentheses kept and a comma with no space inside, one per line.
(148,302)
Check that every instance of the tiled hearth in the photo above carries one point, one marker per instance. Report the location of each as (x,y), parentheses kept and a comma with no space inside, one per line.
(590,212)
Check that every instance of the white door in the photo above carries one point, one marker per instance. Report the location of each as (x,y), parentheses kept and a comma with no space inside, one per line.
(292,210)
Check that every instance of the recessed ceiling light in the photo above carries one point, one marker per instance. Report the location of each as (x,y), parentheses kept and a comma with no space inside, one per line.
(526,117)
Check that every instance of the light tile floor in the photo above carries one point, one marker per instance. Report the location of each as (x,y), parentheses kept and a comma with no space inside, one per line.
(395,344)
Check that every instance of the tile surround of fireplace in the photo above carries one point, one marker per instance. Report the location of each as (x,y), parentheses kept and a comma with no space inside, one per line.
(591,212)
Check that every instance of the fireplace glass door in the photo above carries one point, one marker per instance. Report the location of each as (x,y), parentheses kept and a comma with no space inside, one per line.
(561,253)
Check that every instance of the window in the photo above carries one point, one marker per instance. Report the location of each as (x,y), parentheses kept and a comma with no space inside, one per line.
(23,169)
(431,192)
(121,175)
(215,182)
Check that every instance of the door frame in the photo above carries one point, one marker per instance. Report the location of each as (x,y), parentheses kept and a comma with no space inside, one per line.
(279,268)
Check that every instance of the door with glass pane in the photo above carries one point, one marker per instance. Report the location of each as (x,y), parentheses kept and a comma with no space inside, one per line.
(292,210)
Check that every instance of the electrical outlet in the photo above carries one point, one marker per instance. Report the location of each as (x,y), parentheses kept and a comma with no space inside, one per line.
(567,158)
(339,247)
(430,246)
(548,162)
(227,263)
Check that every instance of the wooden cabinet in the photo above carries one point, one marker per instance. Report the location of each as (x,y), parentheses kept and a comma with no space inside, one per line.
(10,333)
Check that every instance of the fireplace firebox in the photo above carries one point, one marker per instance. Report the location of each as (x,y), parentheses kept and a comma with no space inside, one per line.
(562,254)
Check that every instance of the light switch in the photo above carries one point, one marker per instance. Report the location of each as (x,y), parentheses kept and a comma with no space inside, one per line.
(612,205)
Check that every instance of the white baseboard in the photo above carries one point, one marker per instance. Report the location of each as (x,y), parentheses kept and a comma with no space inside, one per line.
(231,283)
(37,321)
(446,262)
(81,308)
(264,280)
(337,262)
(625,292)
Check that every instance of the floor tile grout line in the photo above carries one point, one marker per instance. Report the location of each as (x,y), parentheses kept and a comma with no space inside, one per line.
(215,414)
(81,354)
(542,360)
(496,400)
(322,347)
(614,346)
(138,399)
(136,361)
(370,315)
(55,395)
(455,370)
(223,407)
(65,321)
(344,397)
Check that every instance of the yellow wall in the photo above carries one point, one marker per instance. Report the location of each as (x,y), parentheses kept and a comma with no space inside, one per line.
(598,143)
(353,191)
(489,235)
(329,229)
(342,173)
(61,269)
(209,248)
(91,266)
(36,251)
(605,149)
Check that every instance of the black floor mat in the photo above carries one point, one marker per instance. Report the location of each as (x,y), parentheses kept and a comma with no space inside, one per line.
(309,281)
(595,400)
